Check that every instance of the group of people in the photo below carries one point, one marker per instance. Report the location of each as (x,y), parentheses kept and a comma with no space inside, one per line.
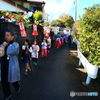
(59,41)
(10,71)
(31,52)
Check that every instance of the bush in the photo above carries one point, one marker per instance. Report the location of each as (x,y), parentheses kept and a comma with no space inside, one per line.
(89,34)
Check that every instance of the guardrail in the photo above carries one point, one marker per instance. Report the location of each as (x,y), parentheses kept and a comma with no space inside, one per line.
(91,69)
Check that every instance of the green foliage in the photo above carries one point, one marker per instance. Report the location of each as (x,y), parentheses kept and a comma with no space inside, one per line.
(37,15)
(63,21)
(89,34)
(28,24)
(4,12)
(75,29)
(57,23)
(19,17)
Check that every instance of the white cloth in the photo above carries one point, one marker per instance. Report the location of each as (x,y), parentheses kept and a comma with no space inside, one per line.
(34,49)
(49,41)
(58,39)
(44,45)
(24,47)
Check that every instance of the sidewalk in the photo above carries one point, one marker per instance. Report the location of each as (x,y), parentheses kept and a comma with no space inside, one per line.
(94,85)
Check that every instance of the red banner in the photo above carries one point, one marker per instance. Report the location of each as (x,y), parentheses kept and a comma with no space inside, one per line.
(22,29)
(46,30)
(35,32)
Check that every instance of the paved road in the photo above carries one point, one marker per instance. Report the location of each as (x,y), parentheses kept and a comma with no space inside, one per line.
(54,78)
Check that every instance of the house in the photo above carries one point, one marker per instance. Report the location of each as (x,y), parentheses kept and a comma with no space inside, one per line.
(31,5)
(21,5)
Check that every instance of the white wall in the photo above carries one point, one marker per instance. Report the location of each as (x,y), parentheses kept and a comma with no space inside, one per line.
(6,6)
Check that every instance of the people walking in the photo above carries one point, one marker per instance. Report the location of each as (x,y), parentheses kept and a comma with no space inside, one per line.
(58,42)
(44,48)
(34,49)
(62,40)
(48,44)
(10,72)
(69,40)
(26,56)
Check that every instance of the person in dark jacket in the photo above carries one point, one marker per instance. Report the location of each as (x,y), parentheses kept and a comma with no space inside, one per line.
(69,40)
(10,72)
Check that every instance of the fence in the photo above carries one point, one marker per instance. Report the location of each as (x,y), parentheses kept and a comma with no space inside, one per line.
(91,69)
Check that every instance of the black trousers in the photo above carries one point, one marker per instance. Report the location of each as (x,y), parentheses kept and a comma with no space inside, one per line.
(69,43)
(48,49)
(35,60)
(6,87)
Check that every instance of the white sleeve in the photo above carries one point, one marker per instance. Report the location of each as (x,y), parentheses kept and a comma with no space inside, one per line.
(38,48)
(30,49)
(23,47)
(45,44)
(41,43)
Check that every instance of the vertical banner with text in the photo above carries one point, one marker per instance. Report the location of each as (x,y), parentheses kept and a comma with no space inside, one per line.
(22,29)
(46,30)
(35,32)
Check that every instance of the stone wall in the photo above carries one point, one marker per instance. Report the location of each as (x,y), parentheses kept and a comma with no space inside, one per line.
(4,27)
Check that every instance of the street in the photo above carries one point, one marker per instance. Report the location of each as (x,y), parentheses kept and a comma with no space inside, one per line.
(54,78)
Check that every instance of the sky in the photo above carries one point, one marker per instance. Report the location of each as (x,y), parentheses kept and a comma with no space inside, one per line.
(54,8)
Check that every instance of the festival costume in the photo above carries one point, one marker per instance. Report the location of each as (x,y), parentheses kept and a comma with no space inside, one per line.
(62,40)
(34,53)
(44,49)
(26,58)
(49,44)
(58,42)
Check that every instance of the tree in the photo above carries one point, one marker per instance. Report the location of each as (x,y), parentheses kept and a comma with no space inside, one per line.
(89,34)
(66,20)
(75,29)
(37,15)
(56,23)
(63,21)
